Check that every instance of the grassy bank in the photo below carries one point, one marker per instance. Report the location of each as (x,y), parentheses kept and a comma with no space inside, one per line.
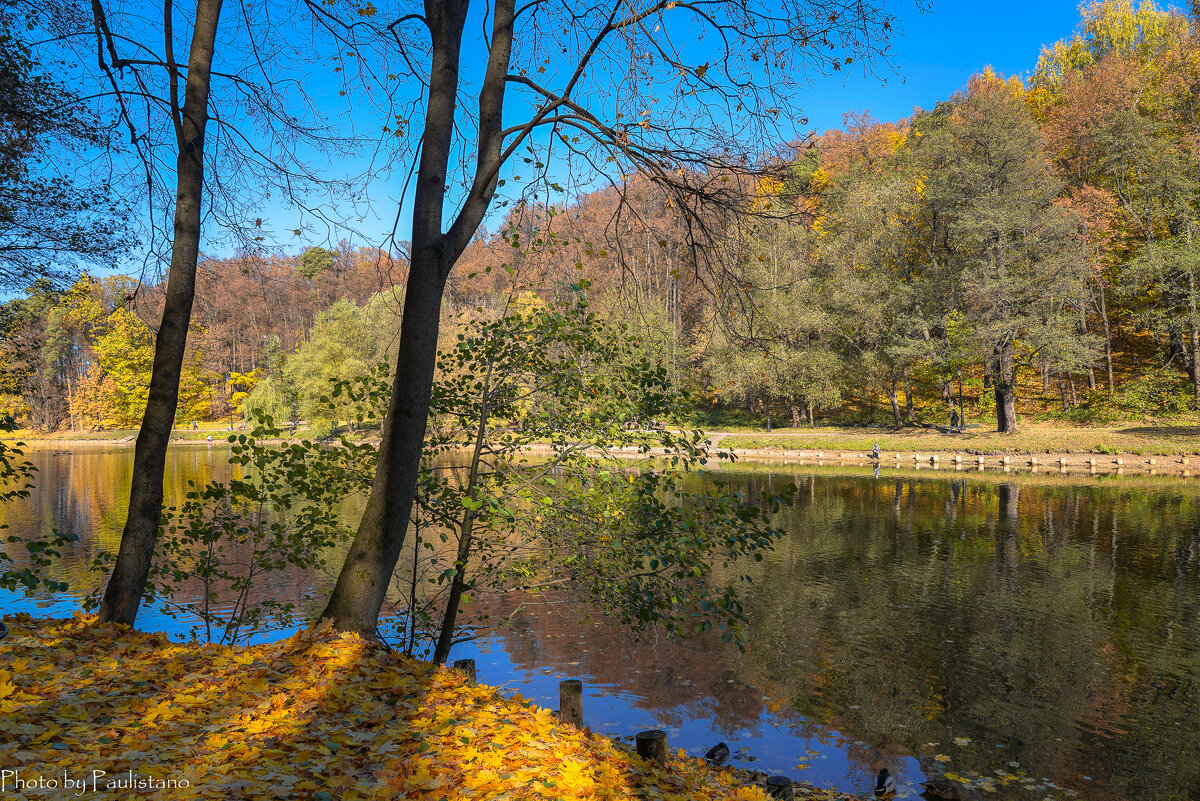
(1034,438)
(1177,439)
(317,716)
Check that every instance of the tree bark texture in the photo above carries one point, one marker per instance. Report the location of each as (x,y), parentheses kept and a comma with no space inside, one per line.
(362,585)
(1004,379)
(123,594)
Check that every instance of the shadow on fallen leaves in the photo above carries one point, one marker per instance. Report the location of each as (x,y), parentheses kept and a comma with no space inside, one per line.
(319,716)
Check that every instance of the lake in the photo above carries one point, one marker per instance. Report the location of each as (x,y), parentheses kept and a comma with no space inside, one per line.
(1037,636)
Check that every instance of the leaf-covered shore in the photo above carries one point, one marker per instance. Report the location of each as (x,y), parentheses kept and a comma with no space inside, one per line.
(319,715)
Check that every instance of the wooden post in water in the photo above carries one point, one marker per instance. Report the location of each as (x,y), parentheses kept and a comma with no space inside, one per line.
(652,745)
(780,787)
(466,667)
(570,702)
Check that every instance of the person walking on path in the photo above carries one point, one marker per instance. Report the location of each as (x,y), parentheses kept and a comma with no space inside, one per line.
(954,421)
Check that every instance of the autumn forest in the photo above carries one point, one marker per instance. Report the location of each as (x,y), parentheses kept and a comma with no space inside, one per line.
(1026,243)
(417,367)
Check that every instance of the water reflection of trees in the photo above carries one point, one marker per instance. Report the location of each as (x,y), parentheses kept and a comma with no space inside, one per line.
(85,489)
(1053,625)
(1058,619)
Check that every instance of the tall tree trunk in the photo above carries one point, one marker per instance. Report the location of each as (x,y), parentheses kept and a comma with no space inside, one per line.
(1083,329)
(466,535)
(962,412)
(908,397)
(1004,378)
(362,585)
(794,408)
(894,399)
(127,583)
(1195,343)
(1196,364)
(1108,356)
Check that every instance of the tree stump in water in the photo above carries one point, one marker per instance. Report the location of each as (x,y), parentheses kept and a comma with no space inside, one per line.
(652,745)
(780,787)
(570,702)
(466,667)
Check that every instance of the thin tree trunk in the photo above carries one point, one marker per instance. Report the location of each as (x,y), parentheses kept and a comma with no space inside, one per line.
(127,583)
(962,413)
(1083,329)
(1004,377)
(1196,364)
(1195,343)
(794,408)
(362,585)
(908,397)
(1108,355)
(894,399)
(466,534)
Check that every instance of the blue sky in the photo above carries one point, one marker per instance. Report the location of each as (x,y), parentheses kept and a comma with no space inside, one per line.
(939,50)
(939,45)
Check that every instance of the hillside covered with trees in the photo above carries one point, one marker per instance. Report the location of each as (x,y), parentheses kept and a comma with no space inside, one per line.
(1025,246)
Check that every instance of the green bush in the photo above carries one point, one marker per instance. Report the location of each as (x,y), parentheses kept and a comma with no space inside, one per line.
(1159,393)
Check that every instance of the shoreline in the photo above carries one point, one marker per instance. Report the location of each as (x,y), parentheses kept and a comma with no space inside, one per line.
(938,451)
(1050,462)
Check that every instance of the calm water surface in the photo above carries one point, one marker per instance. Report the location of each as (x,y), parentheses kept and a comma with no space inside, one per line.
(1036,635)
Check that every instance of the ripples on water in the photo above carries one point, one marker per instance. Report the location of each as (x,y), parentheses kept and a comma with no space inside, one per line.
(1042,626)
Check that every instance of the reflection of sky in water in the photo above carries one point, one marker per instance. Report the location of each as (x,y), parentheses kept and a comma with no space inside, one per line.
(1053,621)
(609,710)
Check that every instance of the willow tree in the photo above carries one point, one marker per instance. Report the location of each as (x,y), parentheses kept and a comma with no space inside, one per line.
(686,93)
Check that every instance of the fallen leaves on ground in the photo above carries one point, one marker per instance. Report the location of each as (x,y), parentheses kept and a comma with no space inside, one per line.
(320,716)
